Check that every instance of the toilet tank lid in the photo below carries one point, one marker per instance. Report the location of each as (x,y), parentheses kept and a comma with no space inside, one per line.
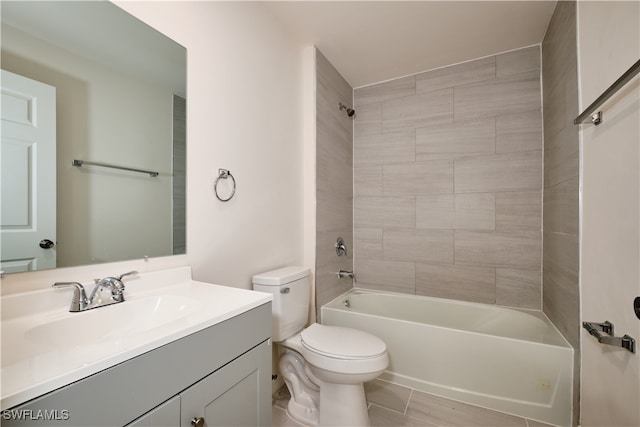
(281,276)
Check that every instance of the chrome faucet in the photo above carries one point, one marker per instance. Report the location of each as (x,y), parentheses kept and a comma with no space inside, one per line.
(80,302)
(344,273)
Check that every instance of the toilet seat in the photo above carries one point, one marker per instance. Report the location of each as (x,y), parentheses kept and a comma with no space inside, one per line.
(342,343)
(343,350)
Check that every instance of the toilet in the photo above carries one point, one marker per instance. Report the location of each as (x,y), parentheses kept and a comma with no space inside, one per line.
(324,367)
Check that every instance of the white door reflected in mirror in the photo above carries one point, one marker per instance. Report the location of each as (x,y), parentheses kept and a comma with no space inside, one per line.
(28,174)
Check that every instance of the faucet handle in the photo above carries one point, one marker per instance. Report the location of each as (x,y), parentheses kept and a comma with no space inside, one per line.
(130,273)
(79,300)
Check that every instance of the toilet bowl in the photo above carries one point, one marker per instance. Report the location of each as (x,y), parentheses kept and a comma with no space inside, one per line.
(324,367)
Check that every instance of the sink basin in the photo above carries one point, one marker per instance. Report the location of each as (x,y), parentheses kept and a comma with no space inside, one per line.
(113,322)
(45,347)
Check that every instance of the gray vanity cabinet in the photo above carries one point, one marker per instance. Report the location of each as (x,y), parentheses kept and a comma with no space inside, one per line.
(165,415)
(221,373)
(231,396)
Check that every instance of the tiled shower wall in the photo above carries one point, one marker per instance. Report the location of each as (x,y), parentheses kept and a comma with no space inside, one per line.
(561,169)
(334,181)
(561,302)
(448,181)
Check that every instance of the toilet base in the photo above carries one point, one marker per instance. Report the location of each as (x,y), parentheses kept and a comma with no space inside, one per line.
(343,405)
(303,414)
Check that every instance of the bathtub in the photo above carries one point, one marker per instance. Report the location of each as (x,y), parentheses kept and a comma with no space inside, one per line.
(513,361)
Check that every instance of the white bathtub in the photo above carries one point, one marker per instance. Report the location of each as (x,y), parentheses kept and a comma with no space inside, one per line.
(503,359)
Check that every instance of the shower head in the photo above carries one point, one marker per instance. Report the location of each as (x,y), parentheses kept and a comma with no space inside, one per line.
(350,111)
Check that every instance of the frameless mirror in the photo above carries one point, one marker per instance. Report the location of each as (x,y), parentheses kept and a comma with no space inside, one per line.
(93,136)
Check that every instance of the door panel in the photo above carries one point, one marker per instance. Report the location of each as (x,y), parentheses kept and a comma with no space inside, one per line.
(233,395)
(27,173)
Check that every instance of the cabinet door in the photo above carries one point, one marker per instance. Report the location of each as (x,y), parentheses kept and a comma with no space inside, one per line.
(238,394)
(165,415)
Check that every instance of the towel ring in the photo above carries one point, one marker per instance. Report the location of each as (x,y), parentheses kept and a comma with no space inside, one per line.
(224,174)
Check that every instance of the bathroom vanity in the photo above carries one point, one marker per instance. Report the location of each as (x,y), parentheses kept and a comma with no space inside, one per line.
(200,355)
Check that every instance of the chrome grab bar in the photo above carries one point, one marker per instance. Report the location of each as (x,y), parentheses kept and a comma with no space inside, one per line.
(604,334)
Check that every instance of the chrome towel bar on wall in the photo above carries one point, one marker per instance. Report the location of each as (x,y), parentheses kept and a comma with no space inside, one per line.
(79,163)
(590,111)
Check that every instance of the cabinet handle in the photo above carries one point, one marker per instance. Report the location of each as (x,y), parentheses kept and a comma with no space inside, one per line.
(197,422)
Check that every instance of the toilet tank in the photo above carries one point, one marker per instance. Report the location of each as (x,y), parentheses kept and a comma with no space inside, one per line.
(290,287)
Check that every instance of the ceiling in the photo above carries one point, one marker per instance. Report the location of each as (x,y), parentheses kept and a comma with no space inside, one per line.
(373,41)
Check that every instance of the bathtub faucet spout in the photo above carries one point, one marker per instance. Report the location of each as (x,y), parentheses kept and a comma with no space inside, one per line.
(344,273)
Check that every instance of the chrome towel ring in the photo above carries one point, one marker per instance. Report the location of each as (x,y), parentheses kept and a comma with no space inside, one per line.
(224,174)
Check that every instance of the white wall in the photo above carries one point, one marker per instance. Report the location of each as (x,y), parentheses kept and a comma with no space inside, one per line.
(244,99)
(608,44)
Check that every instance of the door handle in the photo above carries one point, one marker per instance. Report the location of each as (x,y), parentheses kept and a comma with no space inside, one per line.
(46,244)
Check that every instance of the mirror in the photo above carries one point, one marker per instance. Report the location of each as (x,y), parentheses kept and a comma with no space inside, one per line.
(119,89)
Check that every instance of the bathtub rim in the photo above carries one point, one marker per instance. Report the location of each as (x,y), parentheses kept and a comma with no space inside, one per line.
(335,303)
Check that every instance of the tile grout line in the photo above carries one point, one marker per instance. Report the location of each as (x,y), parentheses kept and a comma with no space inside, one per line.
(406,407)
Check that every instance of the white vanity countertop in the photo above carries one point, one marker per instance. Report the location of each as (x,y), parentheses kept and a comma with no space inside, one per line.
(45,347)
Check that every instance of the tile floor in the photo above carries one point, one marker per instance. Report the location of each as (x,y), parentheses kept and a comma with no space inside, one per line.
(395,405)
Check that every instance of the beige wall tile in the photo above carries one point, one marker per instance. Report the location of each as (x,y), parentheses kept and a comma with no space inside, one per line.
(456,211)
(418,245)
(556,116)
(388,147)
(378,212)
(561,207)
(519,132)
(456,75)
(561,300)
(326,250)
(519,288)
(561,157)
(504,95)
(367,243)
(333,84)
(477,180)
(392,276)
(328,284)
(416,111)
(368,119)
(519,249)
(367,181)
(518,61)
(500,172)
(333,211)
(334,181)
(331,286)
(434,176)
(334,175)
(456,140)
(519,211)
(396,88)
(467,283)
